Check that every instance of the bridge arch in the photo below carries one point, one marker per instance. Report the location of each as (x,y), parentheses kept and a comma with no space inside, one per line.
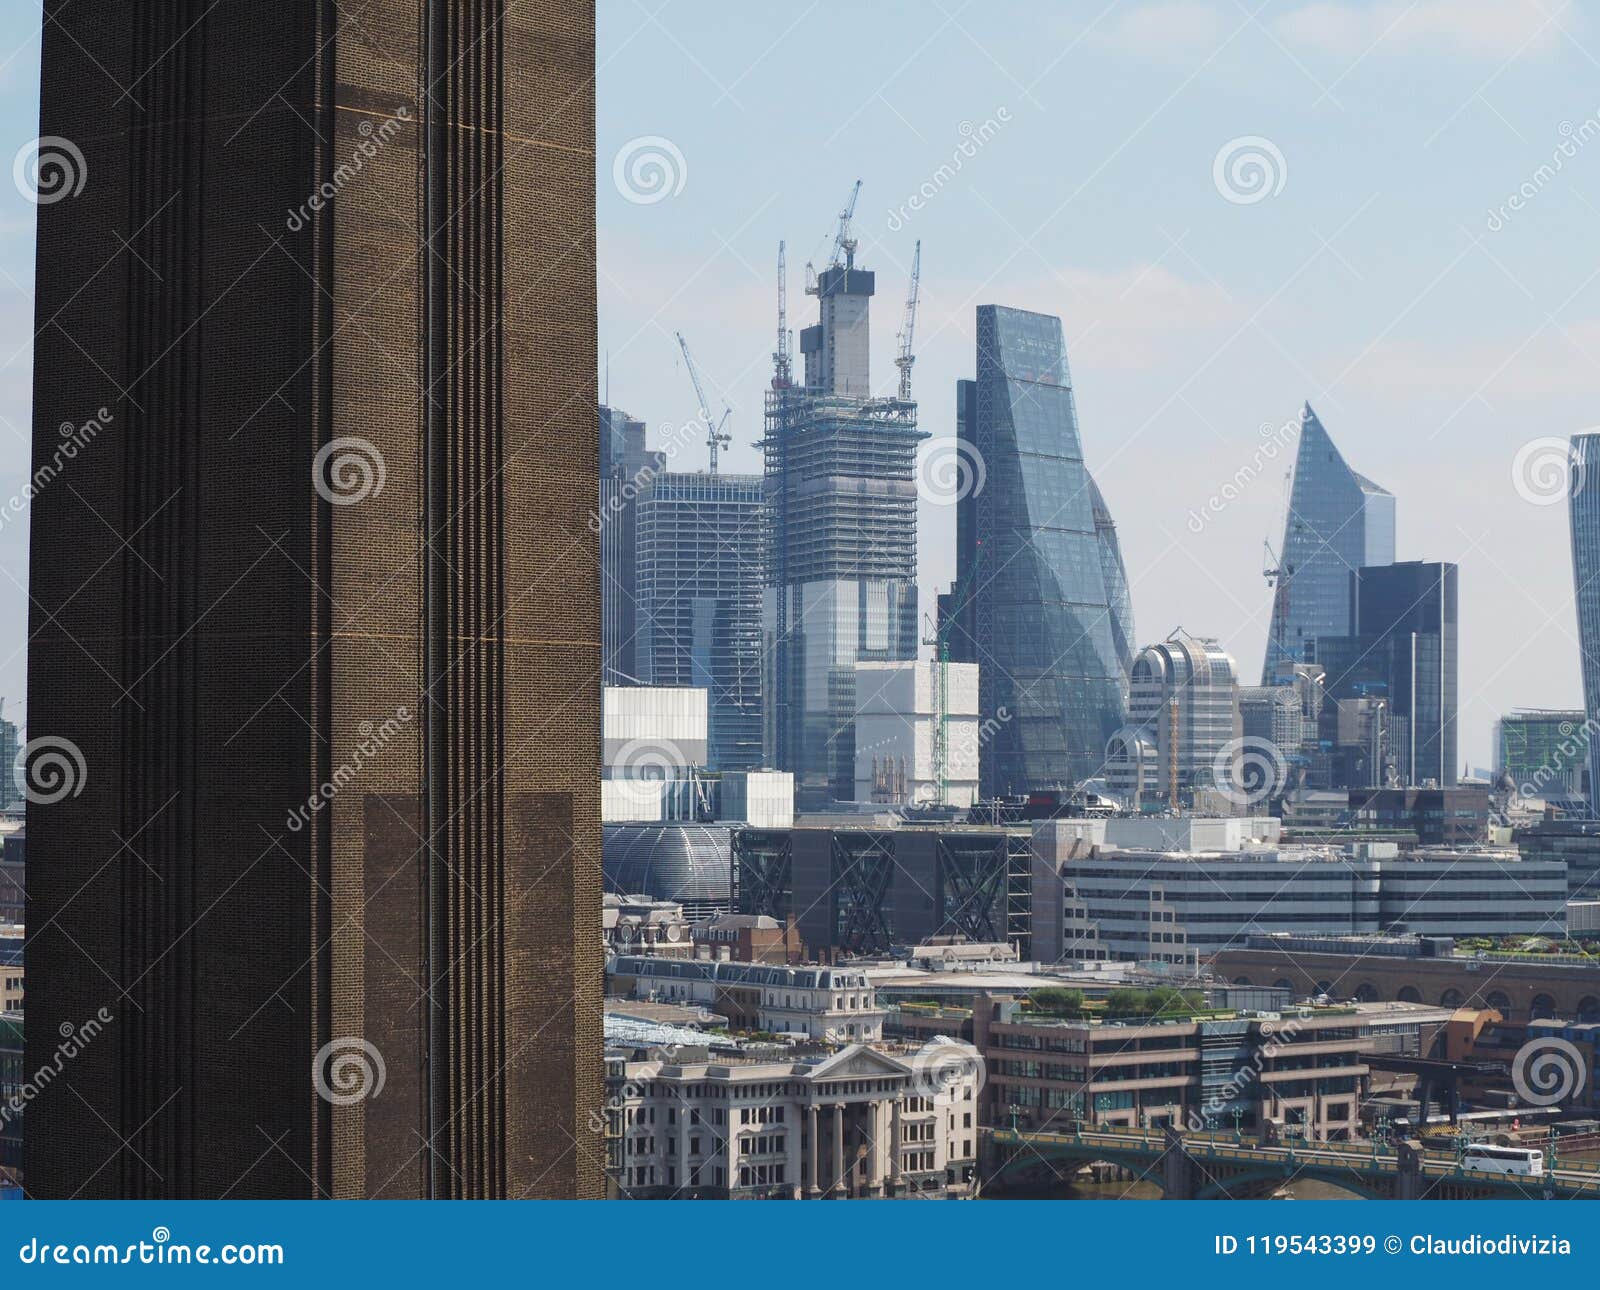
(1452,998)
(1589,1008)
(1262,1182)
(1366,992)
(1409,994)
(1544,1005)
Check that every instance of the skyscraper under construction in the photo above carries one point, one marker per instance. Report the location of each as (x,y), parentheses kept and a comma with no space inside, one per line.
(317,608)
(840,470)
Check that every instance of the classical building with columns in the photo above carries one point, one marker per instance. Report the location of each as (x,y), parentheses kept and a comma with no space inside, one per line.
(858,1123)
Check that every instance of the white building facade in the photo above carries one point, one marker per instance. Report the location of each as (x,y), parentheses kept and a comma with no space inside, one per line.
(897,722)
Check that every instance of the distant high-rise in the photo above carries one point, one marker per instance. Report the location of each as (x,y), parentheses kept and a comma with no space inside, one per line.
(1401,647)
(1584,514)
(1041,600)
(700,575)
(1338,522)
(840,471)
(626,469)
(318,605)
(1183,704)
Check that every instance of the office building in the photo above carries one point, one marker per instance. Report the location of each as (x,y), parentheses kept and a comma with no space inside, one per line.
(830,1005)
(1439,817)
(1584,518)
(1574,843)
(840,471)
(1182,906)
(868,887)
(1183,704)
(1542,754)
(1272,718)
(320,607)
(1300,1077)
(1041,599)
(626,469)
(699,588)
(859,1122)
(1402,648)
(917,734)
(1338,521)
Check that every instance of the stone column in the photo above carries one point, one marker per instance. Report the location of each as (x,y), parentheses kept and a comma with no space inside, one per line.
(813,1151)
(894,1147)
(874,1148)
(838,1148)
(732,1153)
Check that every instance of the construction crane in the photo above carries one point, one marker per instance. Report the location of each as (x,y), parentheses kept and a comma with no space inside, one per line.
(782,375)
(715,435)
(908,326)
(843,254)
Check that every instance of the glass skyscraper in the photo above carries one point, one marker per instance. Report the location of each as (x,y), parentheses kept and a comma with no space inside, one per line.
(1584,511)
(1338,522)
(1402,648)
(699,583)
(1041,598)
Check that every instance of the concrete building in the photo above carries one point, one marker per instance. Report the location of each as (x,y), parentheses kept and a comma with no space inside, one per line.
(763,799)
(13,877)
(827,1005)
(1457,816)
(1183,702)
(1419,970)
(1573,842)
(1295,1075)
(640,925)
(897,729)
(840,469)
(1183,906)
(857,1123)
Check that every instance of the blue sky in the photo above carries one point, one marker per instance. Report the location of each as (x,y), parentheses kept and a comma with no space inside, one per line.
(1381,275)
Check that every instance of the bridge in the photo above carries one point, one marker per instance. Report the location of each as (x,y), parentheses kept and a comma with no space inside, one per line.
(1218,1166)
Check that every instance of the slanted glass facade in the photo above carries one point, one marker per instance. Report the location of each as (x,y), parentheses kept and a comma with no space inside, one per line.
(1584,510)
(1338,522)
(1050,619)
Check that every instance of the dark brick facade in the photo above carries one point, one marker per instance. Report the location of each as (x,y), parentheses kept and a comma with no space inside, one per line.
(220,640)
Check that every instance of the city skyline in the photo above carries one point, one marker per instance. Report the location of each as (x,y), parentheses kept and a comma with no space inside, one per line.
(1371,285)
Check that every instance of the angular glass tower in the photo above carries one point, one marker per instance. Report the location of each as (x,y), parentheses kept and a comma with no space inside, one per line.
(1041,600)
(1339,521)
(1584,511)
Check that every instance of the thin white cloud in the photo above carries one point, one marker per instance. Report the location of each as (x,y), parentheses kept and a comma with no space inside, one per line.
(1169,28)
(1476,28)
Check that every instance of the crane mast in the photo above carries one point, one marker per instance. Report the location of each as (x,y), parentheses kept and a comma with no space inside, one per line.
(782,375)
(715,436)
(843,254)
(905,358)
